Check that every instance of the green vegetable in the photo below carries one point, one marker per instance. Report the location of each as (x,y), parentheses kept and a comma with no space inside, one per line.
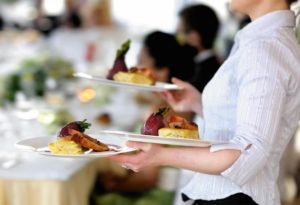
(84,125)
(12,86)
(162,111)
(32,75)
(113,199)
(123,50)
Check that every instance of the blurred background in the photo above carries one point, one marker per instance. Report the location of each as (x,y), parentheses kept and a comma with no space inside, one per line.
(42,43)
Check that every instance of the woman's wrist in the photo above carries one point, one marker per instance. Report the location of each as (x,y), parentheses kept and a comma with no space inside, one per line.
(167,156)
(163,156)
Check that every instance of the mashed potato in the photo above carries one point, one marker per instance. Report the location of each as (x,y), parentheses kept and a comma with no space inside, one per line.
(64,146)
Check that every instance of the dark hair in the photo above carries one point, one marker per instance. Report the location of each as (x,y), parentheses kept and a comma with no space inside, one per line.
(203,20)
(167,52)
(1,23)
(73,19)
(291,1)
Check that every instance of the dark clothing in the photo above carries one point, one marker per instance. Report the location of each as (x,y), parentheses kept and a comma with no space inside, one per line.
(204,72)
(236,199)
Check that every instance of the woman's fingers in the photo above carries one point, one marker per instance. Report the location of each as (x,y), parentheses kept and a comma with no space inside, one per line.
(185,86)
(137,145)
(129,158)
(122,158)
(137,161)
(176,99)
(170,98)
(180,83)
(129,161)
(178,102)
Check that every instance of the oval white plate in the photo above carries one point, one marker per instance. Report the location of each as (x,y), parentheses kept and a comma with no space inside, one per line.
(163,140)
(40,145)
(158,87)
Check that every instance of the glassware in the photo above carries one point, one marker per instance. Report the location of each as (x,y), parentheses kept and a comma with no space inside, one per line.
(9,157)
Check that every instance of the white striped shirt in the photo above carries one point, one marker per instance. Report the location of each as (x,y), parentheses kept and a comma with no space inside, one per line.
(254,98)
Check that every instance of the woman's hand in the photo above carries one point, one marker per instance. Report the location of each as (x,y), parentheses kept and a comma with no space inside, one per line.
(198,159)
(185,100)
(149,155)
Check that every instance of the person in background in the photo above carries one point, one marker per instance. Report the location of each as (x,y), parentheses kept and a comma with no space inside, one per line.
(71,40)
(162,53)
(96,13)
(253,103)
(1,23)
(71,20)
(166,57)
(198,27)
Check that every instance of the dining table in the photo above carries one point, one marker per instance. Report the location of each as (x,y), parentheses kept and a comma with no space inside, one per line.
(28,178)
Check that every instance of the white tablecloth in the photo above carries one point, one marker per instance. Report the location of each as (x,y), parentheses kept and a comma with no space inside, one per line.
(36,167)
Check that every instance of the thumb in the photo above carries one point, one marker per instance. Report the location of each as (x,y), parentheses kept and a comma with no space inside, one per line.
(180,83)
(137,145)
(169,97)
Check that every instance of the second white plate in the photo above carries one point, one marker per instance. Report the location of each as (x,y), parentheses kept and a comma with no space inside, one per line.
(163,140)
(158,87)
(40,145)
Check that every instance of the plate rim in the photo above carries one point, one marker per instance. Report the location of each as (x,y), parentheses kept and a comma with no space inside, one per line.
(90,155)
(125,84)
(163,140)
(33,149)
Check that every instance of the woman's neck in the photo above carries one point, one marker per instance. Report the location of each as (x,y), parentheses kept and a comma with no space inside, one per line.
(267,7)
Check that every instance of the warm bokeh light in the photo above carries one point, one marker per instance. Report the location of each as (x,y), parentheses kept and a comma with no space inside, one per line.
(46,117)
(87,94)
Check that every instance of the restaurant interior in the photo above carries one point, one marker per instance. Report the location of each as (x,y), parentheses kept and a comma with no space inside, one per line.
(43,43)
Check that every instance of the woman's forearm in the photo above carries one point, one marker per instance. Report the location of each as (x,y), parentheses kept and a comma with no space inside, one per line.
(203,161)
(192,158)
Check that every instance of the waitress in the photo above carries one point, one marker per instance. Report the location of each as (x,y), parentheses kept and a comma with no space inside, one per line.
(253,102)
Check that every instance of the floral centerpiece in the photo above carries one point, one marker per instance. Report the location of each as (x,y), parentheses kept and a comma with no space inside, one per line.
(32,75)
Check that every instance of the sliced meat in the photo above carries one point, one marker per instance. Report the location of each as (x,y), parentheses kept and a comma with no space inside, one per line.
(175,121)
(87,141)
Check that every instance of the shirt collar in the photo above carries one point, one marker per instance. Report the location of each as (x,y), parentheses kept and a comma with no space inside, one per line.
(203,55)
(267,23)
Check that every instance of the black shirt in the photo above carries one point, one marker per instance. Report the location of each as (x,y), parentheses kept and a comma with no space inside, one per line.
(204,71)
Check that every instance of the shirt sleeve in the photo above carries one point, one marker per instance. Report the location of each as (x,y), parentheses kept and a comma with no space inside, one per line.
(262,92)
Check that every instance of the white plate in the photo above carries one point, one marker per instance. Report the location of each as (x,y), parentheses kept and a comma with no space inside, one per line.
(40,144)
(158,87)
(163,140)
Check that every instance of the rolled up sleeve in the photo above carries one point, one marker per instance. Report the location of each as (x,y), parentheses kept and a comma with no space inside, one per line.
(260,101)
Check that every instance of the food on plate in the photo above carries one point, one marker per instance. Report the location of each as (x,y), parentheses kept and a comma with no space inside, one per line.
(119,64)
(169,126)
(179,127)
(136,75)
(120,72)
(80,126)
(72,140)
(154,122)
(63,146)
(179,133)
